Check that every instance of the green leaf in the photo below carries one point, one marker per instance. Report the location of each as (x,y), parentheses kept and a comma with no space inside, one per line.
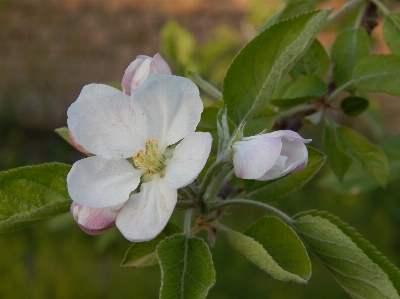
(348,49)
(354,106)
(301,90)
(143,254)
(358,267)
(337,158)
(372,159)
(378,73)
(223,131)
(64,134)
(179,46)
(208,123)
(187,269)
(314,63)
(254,73)
(391,32)
(282,187)
(282,244)
(259,253)
(33,193)
(357,181)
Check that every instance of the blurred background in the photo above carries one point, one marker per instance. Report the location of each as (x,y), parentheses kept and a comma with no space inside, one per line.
(49,49)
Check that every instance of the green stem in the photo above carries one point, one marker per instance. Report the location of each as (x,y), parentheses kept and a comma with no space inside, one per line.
(205,86)
(294,110)
(360,16)
(345,8)
(339,89)
(381,6)
(184,204)
(281,215)
(209,176)
(187,222)
(216,183)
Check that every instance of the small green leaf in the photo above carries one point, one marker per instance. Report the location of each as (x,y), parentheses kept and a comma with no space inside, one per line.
(337,158)
(282,244)
(348,49)
(64,134)
(358,267)
(179,46)
(379,73)
(314,118)
(258,254)
(223,131)
(301,90)
(354,106)
(282,187)
(33,193)
(372,159)
(143,254)
(255,72)
(391,32)
(208,123)
(187,269)
(315,62)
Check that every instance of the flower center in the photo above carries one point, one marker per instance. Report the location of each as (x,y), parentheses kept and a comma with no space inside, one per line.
(150,159)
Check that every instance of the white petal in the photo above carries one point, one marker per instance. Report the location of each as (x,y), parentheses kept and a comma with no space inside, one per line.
(130,72)
(276,171)
(168,108)
(146,213)
(254,157)
(94,221)
(103,122)
(98,183)
(189,158)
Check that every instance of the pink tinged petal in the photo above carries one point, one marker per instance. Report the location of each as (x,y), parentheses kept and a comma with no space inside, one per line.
(98,183)
(146,213)
(159,66)
(294,157)
(76,144)
(94,221)
(189,158)
(140,68)
(168,108)
(287,134)
(103,122)
(130,72)
(254,157)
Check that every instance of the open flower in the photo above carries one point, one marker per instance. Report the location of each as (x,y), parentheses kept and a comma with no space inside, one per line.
(135,74)
(269,156)
(149,138)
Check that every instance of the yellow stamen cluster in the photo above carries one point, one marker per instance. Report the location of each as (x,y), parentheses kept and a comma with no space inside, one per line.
(150,159)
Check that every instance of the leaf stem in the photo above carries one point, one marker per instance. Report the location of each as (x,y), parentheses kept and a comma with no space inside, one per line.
(345,8)
(339,89)
(187,222)
(209,176)
(381,6)
(294,110)
(219,204)
(205,86)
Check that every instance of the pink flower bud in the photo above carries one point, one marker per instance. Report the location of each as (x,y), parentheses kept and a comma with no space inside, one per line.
(140,68)
(269,156)
(94,221)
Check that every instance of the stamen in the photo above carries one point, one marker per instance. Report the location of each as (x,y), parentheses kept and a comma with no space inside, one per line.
(150,158)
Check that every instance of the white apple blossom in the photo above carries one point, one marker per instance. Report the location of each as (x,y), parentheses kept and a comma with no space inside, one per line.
(269,156)
(135,74)
(147,137)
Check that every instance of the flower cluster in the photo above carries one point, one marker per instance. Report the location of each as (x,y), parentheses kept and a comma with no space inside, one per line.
(143,147)
(146,135)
